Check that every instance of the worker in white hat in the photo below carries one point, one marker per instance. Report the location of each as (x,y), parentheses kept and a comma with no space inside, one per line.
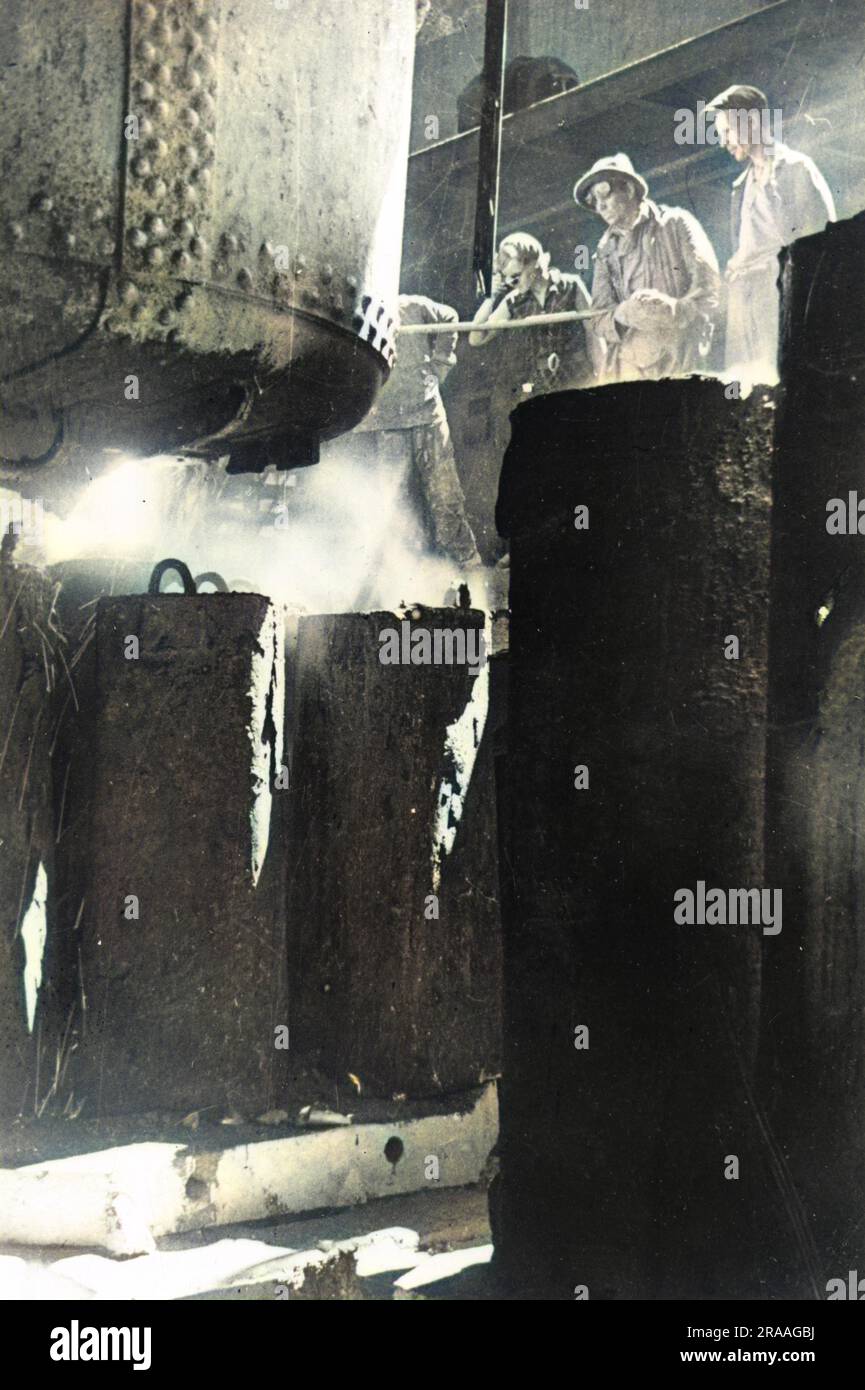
(656,276)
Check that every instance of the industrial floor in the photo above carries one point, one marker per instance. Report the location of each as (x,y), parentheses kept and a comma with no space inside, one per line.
(444,1223)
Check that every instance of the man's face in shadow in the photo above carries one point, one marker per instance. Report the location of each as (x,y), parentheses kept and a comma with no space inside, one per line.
(615,200)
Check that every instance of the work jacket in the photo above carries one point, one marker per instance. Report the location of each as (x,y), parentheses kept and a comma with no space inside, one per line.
(552,356)
(666,250)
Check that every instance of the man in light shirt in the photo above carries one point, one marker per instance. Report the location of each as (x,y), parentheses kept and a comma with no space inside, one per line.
(779,196)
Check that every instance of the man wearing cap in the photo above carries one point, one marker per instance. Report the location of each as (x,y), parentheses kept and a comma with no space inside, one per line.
(779,196)
(656,277)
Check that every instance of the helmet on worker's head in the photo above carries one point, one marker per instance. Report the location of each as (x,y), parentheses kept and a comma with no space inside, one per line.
(614,166)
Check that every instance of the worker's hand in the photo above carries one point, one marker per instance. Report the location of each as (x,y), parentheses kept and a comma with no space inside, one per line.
(663,305)
(647,309)
(627,313)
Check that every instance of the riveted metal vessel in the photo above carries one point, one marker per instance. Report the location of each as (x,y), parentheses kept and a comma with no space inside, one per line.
(201,204)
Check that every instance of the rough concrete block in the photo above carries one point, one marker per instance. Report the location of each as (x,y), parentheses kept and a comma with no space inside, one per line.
(28,674)
(813,1043)
(172,880)
(613,1142)
(393,802)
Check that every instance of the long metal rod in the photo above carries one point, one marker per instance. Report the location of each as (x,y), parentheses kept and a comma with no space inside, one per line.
(469,326)
(490,144)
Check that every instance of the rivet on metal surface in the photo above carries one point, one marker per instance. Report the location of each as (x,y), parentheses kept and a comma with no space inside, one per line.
(16,231)
(189,154)
(244,279)
(165,316)
(299,265)
(156,188)
(326,274)
(228,242)
(184,228)
(155,255)
(181,260)
(191,117)
(128,292)
(162,109)
(146,91)
(98,215)
(351,282)
(141,166)
(42,203)
(137,237)
(156,227)
(162,74)
(198,246)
